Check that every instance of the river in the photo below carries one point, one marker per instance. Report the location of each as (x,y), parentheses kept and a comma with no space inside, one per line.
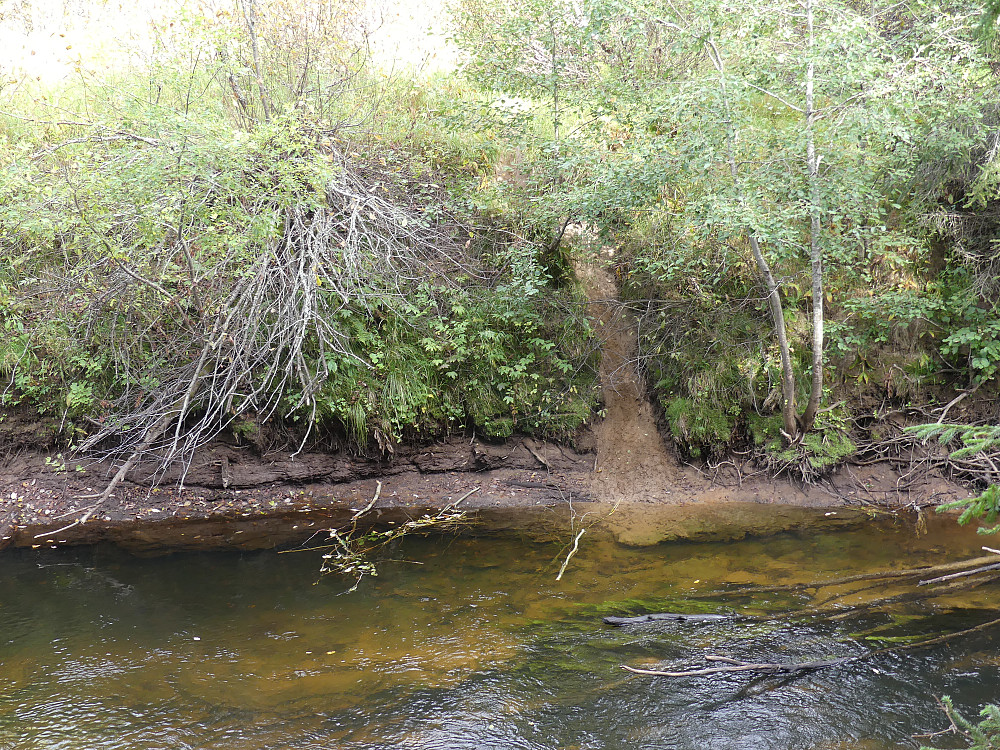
(470,642)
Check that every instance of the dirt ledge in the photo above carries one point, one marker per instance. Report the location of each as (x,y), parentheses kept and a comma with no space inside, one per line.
(234,498)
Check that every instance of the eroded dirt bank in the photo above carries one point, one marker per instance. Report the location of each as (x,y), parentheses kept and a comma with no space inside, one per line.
(234,496)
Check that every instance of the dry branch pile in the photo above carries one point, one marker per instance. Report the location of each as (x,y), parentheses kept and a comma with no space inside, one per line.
(203,280)
(265,322)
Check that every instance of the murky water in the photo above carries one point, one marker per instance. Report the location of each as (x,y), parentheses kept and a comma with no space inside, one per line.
(469,643)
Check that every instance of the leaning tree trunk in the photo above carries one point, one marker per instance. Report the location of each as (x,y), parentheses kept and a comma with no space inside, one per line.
(791,430)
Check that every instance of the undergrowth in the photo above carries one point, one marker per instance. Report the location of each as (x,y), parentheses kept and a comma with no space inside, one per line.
(177,265)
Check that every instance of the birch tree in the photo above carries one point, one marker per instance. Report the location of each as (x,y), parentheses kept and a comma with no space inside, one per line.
(794,130)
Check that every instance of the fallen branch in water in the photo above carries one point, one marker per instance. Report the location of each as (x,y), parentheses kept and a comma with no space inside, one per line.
(736,665)
(679,617)
(349,552)
(575,544)
(936,640)
(569,556)
(961,574)
(833,608)
(826,611)
(835,613)
(878,576)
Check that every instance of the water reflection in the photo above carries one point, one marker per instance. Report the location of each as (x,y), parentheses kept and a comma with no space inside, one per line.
(477,646)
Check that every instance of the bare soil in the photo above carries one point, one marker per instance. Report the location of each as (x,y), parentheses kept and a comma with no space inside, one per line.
(633,463)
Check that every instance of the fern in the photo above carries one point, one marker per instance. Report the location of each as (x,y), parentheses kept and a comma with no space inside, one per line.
(975,439)
(984,736)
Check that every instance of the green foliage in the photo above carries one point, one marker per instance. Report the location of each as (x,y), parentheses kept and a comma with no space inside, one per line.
(700,338)
(869,323)
(698,428)
(819,451)
(827,447)
(972,327)
(486,359)
(974,439)
(203,221)
(983,736)
(648,169)
(606,114)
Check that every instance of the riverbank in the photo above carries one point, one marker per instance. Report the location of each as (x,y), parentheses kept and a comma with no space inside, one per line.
(234,497)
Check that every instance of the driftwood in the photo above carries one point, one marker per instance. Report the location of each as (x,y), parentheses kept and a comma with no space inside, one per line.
(878,576)
(679,617)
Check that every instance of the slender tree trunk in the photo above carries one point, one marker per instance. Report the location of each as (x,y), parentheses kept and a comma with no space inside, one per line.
(555,81)
(250,16)
(791,430)
(815,249)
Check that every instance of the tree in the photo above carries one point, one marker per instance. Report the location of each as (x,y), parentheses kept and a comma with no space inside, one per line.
(790,131)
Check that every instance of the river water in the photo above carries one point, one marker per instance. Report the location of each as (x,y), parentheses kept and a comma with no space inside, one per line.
(465,642)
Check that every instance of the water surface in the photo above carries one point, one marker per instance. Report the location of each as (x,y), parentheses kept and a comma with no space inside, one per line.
(471,643)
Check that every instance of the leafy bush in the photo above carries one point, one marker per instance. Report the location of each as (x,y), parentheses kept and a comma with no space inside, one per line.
(698,428)
(818,452)
(181,264)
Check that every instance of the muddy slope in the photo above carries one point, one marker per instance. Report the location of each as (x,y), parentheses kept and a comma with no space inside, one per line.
(44,491)
(236,498)
(633,463)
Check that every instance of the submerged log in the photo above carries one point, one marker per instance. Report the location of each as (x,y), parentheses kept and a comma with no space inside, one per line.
(737,665)
(677,616)
(959,576)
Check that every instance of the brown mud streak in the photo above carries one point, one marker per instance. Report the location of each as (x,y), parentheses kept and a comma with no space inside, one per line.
(633,464)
